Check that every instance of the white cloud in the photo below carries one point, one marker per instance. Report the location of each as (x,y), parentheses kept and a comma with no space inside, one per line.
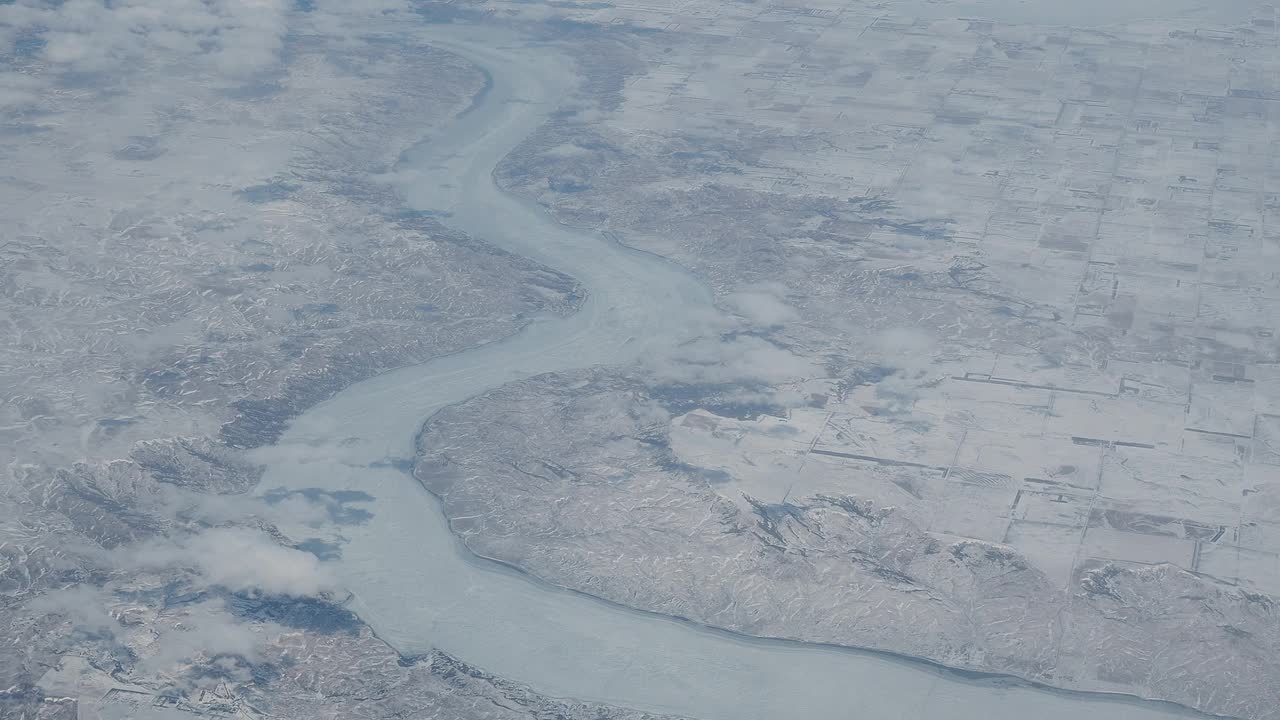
(904,346)
(240,559)
(18,89)
(84,606)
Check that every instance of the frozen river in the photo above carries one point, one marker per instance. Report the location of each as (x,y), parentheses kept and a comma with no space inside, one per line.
(419,589)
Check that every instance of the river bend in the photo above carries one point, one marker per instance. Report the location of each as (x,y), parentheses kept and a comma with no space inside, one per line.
(418,588)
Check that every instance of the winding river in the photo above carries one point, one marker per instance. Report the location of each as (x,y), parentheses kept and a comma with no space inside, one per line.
(415,585)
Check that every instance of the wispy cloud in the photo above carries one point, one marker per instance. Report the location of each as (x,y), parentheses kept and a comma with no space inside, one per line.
(908,352)
(742,359)
(186,633)
(732,349)
(763,306)
(233,37)
(203,631)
